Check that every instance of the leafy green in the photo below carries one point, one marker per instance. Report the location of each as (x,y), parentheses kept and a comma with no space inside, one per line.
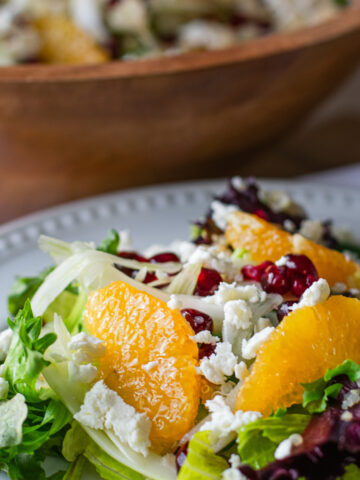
(347,247)
(257,441)
(239,253)
(23,289)
(352,472)
(201,462)
(111,243)
(317,394)
(75,470)
(39,425)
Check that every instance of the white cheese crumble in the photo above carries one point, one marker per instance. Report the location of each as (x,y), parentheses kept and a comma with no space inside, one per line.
(350,399)
(4,388)
(233,473)
(211,257)
(312,230)
(150,365)
(85,348)
(220,364)
(232,291)
(105,409)
(237,314)
(251,347)
(346,416)
(82,373)
(241,371)
(205,337)
(339,288)
(262,323)
(238,182)
(5,341)
(286,446)
(128,16)
(318,292)
(220,212)
(223,421)
(282,262)
(175,303)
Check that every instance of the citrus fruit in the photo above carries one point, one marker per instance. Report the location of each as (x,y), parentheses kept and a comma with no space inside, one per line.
(306,343)
(269,242)
(63,42)
(150,358)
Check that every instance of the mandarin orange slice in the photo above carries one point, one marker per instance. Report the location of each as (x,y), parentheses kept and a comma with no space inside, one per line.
(300,350)
(269,242)
(150,358)
(63,42)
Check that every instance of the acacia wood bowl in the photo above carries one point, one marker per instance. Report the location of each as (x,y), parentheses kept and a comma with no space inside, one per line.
(70,131)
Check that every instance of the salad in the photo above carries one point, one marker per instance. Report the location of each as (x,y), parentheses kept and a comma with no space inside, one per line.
(95,31)
(232,356)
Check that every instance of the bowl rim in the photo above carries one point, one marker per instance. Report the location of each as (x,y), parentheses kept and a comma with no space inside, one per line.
(345,23)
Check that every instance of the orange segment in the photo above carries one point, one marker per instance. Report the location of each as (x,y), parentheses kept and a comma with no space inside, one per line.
(269,242)
(64,42)
(306,343)
(138,329)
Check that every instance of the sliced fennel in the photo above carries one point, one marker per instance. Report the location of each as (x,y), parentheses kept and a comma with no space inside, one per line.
(185,281)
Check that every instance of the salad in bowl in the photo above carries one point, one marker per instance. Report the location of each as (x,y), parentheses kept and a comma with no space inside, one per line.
(232,356)
(95,31)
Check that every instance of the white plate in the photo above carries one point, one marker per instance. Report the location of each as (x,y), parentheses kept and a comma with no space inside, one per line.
(153,215)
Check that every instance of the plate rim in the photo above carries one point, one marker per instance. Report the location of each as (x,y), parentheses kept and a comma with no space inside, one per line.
(211,185)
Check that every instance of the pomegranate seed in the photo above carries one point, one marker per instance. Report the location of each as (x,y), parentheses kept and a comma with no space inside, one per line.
(206,350)
(284,309)
(254,272)
(275,280)
(181,455)
(262,214)
(199,321)
(298,284)
(150,277)
(132,256)
(302,265)
(208,281)
(165,257)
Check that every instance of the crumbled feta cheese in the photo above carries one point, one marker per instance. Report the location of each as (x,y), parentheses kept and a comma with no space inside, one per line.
(105,409)
(233,473)
(350,399)
(347,416)
(220,212)
(232,291)
(286,446)
(251,347)
(277,200)
(4,388)
(82,373)
(289,225)
(318,292)
(237,182)
(238,314)
(234,460)
(282,262)
(223,421)
(86,348)
(202,34)
(220,364)
(150,365)
(211,257)
(262,323)
(175,303)
(205,337)
(312,230)
(5,341)
(241,371)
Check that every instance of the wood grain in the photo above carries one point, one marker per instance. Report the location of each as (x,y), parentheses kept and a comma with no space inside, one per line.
(66,132)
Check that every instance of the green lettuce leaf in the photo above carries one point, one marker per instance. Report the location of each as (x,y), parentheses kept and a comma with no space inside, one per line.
(201,462)
(352,472)
(111,243)
(258,440)
(40,424)
(23,289)
(317,394)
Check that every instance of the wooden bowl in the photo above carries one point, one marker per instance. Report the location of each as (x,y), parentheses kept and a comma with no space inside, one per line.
(69,131)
